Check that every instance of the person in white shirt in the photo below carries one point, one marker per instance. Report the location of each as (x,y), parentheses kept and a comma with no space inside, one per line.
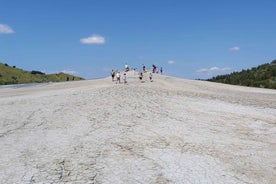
(126,68)
(125,78)
(118,77)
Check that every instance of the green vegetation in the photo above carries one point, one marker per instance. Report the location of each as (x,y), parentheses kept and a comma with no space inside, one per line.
(13,75)
(263,76)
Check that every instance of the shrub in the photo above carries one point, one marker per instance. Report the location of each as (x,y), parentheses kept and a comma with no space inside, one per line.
(37,72)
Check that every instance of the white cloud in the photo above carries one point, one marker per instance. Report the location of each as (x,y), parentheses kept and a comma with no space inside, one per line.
(213,71)
(171,62)
(94,39)
(68,71)
(236,48)
(5,29)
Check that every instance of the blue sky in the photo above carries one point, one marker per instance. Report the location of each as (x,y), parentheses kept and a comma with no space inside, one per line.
(187,38)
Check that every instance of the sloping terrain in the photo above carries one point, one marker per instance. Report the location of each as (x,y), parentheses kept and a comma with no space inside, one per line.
(167,131)
(13,75)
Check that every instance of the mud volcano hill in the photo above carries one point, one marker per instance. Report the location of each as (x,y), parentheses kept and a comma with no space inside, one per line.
(170,130)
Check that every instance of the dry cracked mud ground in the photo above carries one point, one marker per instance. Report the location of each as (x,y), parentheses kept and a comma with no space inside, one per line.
(167,131)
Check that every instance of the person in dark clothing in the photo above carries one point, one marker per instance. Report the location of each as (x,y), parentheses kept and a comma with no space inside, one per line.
(140,76)
(150,77)
(154,68)
(144,68)
(112,75)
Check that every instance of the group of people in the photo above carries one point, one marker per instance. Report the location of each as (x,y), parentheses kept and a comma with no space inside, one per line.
(155,69)
(116,75)
(141,76)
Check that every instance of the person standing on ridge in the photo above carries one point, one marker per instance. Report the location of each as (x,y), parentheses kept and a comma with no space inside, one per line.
(154,69)
(125,78)
(150,77)
(118,77)
(112,75)
(141,76)
(144,68)
(126,68)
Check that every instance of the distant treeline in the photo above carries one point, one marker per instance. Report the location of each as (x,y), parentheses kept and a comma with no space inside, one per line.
(13,75)
(263,76)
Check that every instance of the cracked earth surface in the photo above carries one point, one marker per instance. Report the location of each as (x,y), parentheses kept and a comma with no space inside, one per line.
(167,131)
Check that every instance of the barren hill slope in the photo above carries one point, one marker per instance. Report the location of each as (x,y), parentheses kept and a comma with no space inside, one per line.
(167,131)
